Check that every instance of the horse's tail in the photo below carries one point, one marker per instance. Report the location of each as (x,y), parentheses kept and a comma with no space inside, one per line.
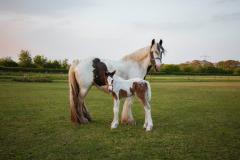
(74,92)
(149,94)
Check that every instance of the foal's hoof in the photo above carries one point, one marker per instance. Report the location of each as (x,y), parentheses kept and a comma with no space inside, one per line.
(115,125)
(149,128)
(145,125)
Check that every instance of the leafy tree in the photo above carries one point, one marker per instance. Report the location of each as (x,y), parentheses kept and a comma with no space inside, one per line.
(25,59)
(8,62)
(185,67)
(196,66)
(53,64)
(228,65)
(40,61)
(64,64)
(170,68)
(56,64)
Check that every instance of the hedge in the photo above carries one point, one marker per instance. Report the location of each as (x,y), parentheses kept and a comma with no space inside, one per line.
(38,70)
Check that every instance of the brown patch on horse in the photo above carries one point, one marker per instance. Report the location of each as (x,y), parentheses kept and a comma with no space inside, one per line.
(122,93)
(140,90)
(99,71)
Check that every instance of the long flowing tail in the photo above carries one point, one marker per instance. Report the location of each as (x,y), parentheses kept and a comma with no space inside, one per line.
(74,94)
(79,112)
(149,94)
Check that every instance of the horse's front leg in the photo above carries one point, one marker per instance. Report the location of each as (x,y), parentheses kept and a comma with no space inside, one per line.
(115,113)
(127,117)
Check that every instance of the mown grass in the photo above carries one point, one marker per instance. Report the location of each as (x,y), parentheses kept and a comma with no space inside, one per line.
(192,120)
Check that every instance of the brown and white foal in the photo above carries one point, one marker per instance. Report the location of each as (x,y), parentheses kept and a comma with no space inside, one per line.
(121,88)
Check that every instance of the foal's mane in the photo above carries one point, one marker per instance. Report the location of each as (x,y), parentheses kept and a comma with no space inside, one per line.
(138,55)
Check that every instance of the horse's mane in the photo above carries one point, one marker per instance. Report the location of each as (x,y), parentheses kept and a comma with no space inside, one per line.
(138,55)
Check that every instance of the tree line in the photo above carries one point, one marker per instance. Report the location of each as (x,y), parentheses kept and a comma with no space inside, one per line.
(40,63)
(201,67)
(25,60)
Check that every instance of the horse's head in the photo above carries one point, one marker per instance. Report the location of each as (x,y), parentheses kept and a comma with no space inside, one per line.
(99,71)
(109,79)
(156,52)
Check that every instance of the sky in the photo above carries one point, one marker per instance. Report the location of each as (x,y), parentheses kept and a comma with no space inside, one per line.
(77,29)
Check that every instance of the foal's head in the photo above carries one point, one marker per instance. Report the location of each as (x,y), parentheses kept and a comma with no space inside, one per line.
(156,52)
(109,79)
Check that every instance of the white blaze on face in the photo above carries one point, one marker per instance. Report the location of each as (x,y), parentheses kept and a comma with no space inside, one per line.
(157,60)
(156,56)
(109,81)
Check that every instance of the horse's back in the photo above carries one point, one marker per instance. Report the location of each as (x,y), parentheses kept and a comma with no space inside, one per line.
(124,69)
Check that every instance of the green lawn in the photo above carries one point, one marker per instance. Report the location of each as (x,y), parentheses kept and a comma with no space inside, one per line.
(193,119)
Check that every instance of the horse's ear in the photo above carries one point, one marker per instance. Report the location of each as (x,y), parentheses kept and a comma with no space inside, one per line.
(153,42)
(111,74)
(160,42)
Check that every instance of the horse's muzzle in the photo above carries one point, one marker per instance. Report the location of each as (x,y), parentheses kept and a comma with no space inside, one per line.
(157,67)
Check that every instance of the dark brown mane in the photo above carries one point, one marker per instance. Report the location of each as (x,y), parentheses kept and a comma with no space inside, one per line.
(99,71)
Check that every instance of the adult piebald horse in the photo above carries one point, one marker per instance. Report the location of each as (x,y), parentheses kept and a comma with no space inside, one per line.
(81,78)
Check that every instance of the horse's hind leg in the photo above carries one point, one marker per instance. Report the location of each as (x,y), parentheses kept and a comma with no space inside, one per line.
(127,117)
(84,92)
(86,113)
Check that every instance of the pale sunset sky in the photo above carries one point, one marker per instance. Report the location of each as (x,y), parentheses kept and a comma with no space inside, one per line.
(76,29)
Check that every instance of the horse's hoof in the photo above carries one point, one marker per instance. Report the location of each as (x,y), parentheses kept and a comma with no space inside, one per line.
(124,121)
(128,122)
(131,122)
(84,120)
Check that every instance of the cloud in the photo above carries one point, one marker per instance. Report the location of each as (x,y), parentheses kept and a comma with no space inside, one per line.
(106,28)
(227,17)
(42,7)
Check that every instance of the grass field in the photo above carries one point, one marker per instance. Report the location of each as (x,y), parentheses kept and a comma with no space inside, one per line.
(194,118)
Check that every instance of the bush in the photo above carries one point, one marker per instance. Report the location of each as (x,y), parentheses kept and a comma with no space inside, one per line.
(236,72)
(37,70)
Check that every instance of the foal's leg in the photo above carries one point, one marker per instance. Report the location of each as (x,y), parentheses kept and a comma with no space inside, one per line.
(148,124)
(115,113)
(127,117)
(147,109)
(145,121)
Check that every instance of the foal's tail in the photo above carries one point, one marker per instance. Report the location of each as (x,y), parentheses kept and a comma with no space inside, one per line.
(149,94)
(74,92)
